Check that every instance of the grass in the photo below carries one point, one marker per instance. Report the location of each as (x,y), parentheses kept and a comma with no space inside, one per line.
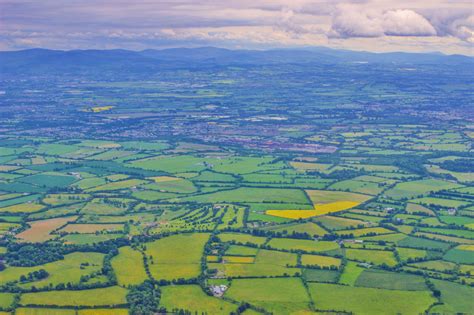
(338,223)
(267,263)
(310,228)
(6,300)
(124,184)
(278,295)
(364,231)
(376,257)
(422,243)
(43,311)
(460,255)
(437,265)
(57,180)
(441,202)
(109,296)
(456,298)
(369,300)
(97,206)
(302,245)
(39,231)
(172,185)
(238,259)
(248,194)
(373,278)
(238,250)
(103,311)
(356,186)
(410,253)
(81,239)
(241,238)
(172,164)
(23,208)
(319,275)
(252,270)
(194,300)
(328,196)
(70,269)
(128,266)
(177,256)
(320,261)
(91,228)
(350,273)
(419,187)
(453,232)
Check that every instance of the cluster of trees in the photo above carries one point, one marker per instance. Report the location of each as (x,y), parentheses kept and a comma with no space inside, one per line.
(459,165)
(144,298)
(33,255)
(34,276)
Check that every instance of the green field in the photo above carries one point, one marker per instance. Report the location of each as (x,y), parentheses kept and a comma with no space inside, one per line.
(369,300)
(122,263)
(177,256)
(193,299)
(110,296)
(279,296)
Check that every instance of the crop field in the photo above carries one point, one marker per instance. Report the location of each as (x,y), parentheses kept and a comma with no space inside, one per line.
(90,226)
(40,231)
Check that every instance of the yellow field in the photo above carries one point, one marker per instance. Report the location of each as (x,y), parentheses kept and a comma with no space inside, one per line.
(292,214)
(99,109)
(319,209)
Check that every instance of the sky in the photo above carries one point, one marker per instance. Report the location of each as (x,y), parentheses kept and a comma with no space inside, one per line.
(385,25)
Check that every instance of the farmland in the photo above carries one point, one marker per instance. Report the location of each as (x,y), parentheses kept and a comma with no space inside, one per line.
(225,189)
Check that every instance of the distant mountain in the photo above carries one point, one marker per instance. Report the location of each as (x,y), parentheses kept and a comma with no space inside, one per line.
(37,61)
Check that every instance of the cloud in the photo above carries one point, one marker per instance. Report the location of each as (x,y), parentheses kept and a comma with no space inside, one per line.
(140,24)
(354,21)
(457,23)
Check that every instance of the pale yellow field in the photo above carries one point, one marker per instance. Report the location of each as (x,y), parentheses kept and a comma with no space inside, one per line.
(99,109)
(465,247)
(322,261)
(238,259)
(104,311)
(23,208)
(159,179)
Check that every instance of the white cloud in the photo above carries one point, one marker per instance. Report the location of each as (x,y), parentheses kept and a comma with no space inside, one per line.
(357,21)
